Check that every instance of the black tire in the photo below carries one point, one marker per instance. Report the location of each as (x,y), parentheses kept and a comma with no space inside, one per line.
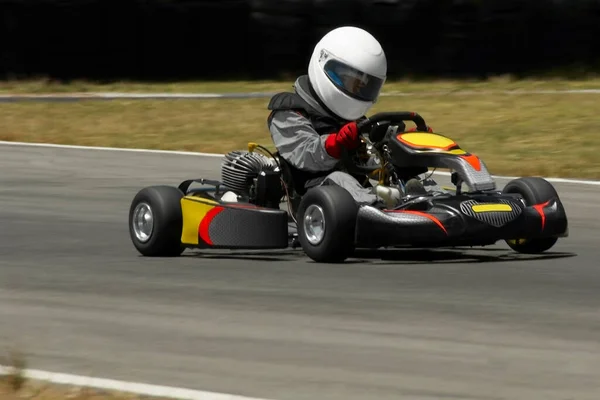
(534,190)
(339,212)
(165,236)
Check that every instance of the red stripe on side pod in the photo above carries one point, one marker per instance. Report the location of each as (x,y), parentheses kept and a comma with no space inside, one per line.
(422,214)
(205,224)
(431,217)
(540,209)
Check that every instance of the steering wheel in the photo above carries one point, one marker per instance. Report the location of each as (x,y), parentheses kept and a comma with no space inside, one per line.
(375,128)
(387,119)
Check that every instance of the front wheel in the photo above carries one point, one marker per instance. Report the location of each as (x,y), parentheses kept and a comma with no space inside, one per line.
(156,221)
(534,190)
(326,223)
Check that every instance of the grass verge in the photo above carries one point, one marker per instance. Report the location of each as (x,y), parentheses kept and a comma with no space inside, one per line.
(516,134)
(15,386)
(37,390)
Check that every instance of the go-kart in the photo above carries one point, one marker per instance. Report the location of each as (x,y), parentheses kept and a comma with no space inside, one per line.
(244,209)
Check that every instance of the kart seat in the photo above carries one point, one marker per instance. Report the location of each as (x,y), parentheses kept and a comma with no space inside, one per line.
(286,173)
(295,190)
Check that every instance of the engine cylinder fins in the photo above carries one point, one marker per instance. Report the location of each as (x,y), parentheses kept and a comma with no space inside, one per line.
(239,167)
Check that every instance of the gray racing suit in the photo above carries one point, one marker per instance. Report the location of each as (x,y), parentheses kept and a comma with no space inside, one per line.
(299,124)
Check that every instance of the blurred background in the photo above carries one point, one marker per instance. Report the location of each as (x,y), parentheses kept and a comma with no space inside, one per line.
(76,298)
(272,39)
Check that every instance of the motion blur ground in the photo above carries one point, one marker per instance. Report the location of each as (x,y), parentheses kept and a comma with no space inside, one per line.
(75,297)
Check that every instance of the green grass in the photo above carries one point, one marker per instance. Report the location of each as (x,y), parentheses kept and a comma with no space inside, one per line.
(516,134)
(408,86)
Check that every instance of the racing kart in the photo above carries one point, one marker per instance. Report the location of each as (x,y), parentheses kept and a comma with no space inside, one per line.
(244,209)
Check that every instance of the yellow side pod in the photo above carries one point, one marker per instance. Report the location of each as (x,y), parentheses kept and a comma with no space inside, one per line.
(194,210)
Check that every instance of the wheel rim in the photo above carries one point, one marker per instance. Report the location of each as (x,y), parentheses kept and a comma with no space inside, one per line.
(143,222)
(314,224)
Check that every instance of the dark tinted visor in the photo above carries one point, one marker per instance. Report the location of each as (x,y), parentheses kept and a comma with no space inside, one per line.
(353,82)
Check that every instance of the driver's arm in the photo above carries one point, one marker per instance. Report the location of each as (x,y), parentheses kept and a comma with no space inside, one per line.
(299,144)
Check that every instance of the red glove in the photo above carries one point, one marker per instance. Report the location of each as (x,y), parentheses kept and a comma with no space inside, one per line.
(414,129)
(346,137)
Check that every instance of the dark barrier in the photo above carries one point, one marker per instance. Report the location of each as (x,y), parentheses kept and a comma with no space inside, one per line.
(202,39)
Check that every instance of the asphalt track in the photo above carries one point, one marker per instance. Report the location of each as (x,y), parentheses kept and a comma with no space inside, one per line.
(445,324)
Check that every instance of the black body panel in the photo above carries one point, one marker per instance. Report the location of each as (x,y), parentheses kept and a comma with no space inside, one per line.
(235,227)
(451,221)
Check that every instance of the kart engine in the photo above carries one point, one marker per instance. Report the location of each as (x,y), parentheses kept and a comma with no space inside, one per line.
(253,176)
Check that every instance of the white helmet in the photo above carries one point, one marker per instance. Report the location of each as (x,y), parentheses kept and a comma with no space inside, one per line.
(347,70)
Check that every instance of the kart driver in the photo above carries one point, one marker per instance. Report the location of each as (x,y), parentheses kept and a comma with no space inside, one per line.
(310,127)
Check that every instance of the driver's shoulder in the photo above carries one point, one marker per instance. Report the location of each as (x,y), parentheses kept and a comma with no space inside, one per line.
(287,107)
(286,101)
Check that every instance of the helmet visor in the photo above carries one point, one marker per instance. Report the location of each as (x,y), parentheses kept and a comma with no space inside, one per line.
(353,82)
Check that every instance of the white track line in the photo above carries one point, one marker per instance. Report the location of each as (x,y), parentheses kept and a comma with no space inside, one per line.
(131,96)
(250,95)
(459,92)
(554,180)
(132,150)
(141,389)
(197,154)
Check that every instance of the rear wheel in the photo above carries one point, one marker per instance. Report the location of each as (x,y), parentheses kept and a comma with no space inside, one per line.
(534,190)
(326,223)
(156,221)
